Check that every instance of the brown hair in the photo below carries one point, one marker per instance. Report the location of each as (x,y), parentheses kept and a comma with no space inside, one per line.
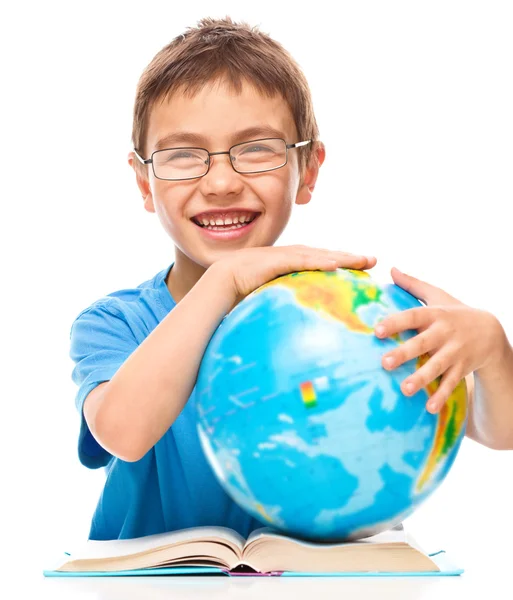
(217,49)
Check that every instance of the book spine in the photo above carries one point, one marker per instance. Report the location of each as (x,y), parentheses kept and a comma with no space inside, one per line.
(253,573)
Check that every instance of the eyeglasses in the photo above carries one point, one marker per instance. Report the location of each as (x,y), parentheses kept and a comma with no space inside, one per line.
(257,156)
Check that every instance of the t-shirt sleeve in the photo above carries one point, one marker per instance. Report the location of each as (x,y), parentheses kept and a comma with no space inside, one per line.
(101,341)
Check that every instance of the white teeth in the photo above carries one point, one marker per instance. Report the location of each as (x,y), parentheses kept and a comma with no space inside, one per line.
(227,223)
(228,228)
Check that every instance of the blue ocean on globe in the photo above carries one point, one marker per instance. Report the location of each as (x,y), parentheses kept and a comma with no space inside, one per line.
(301,424)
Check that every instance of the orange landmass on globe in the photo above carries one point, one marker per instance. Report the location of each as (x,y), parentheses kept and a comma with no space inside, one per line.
(451,420)
(332,294)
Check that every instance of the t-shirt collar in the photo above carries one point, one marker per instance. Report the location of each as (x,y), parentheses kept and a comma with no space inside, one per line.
(160,283)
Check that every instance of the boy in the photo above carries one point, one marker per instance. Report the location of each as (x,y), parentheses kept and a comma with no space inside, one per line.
(225,142)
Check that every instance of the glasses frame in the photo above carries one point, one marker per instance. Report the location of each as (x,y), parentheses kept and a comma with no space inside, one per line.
(288,147)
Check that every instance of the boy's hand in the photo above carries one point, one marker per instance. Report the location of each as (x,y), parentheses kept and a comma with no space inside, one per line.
(249,268)
(459,339)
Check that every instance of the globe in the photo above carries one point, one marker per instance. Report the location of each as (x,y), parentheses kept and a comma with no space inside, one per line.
(301,424)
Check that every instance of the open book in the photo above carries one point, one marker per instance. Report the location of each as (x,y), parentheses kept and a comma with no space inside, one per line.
(266,551)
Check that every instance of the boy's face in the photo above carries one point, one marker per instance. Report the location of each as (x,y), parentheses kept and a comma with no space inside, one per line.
(218,116)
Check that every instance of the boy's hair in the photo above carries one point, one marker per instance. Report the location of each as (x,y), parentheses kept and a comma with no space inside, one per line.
(217,49)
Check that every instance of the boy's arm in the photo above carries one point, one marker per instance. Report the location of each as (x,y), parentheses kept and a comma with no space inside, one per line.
(129,414)
(490,392)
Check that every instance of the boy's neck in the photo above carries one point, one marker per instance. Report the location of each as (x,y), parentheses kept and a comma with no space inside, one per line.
(184,275)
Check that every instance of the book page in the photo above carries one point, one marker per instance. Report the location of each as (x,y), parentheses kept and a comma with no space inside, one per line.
(391,536)
(270,550)
(115,548)
(188,553)
(367,558)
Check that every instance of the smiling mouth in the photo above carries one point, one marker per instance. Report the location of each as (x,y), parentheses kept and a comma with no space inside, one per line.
(226,221)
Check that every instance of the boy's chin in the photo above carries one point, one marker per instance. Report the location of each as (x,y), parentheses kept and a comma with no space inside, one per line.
(210,245)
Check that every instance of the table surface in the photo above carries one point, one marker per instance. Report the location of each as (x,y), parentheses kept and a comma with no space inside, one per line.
(488,568)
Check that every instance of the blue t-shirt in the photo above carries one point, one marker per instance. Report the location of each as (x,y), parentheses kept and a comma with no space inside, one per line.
(172,486)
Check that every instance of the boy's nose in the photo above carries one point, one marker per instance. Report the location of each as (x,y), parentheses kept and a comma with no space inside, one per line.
(221,161)
(221,157)
(222,179)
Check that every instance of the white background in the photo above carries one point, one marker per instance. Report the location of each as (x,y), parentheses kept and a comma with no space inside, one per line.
(414,103)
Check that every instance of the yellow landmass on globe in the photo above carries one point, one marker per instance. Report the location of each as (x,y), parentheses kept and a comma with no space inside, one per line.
(261,511)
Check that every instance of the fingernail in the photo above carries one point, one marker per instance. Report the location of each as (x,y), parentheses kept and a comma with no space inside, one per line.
(431,406)
(380,330)
(389,361)
(409,388)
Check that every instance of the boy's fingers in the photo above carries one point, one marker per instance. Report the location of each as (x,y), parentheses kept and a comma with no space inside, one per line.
(413,318)
(448,383)
(371,260)
(347,260)
(367,260)
(418,345)
(317,258)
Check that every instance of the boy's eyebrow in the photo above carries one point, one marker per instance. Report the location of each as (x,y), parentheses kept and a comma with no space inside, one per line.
(181,137)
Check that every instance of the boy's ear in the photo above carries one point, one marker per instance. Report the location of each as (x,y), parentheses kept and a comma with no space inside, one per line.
(309,178)
(142,182)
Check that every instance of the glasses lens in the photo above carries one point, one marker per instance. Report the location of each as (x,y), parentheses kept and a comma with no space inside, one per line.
(180,163)
(260,155)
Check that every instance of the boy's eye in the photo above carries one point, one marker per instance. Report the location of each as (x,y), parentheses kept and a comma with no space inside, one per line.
(176,155)
(252,149)
(181,155)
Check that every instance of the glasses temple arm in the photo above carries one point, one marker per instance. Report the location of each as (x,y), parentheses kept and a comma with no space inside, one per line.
(299,144)
(144,161)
